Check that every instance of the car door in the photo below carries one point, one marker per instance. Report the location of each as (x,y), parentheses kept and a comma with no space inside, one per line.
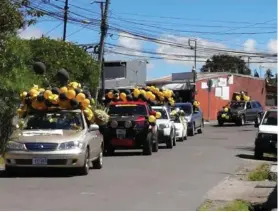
(195,118)
(92,139)
(260,109)
(249,112)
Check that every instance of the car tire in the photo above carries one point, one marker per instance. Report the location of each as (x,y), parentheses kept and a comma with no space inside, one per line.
(155,145)
(220,123)
(241,120)
(10,171)
(258,154)
(258,119)
(84,170)
(147,147)
(200,130)
(191,132)
(98,163)
(169,142)
(174,141)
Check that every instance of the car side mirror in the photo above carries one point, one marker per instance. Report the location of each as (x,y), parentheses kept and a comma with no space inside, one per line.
(93,127)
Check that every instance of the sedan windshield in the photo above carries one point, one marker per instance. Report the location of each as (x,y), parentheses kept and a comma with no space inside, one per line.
(127,110)
(270,118)
(163,113)
(54,121)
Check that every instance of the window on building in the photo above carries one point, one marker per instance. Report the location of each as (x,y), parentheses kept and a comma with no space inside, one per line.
(271,99)
(114,71)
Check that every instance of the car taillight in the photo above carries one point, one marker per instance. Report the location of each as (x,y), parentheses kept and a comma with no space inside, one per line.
(140,123)
(114,124)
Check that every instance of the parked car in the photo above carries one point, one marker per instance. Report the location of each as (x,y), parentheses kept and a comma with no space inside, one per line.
(181,128)
(129,128)
(165,127)
(60,139)
(266,139)
(194,118)
(241,112)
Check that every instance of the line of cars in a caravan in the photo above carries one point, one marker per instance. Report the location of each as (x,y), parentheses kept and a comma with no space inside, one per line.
(45,143)
(128,127)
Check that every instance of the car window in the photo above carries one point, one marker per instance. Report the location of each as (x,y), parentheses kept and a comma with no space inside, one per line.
(237,105)
(270,118)
(254,105)
(248,106)
(187,108)
(259,105)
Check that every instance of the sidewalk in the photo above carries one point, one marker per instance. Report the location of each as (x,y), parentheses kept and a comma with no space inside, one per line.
(211,122)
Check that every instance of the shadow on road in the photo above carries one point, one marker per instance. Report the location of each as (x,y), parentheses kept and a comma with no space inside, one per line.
(269,205)
(39,173)
(122,154)
(245,148)
(233,125)
(265,158)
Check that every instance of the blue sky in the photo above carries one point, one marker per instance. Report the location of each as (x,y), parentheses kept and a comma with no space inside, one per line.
(229,16)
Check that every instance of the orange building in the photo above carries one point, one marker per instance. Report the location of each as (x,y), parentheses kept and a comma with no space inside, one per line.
(224,85)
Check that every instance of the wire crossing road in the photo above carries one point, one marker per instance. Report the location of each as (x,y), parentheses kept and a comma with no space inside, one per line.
(176,179)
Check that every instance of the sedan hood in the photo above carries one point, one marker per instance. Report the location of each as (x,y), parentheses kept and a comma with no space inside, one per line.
(47,136)
(268,129)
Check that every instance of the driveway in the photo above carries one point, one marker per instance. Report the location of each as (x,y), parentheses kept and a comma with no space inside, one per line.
(175,179)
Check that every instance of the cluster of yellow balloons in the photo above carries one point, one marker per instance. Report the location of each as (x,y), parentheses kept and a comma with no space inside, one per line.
(242,97)
(67,97)
(149,93)
(225,116)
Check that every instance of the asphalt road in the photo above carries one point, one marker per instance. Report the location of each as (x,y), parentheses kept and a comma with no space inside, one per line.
(175,179)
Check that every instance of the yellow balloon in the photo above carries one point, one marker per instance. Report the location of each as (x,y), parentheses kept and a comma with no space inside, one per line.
(33,92)
(71,94)
(80,97)
(143,92)
(64,90)
(47,93)
(85,103)
(226,109)
(157,115)
(238,98)
(110,95)
(123,96)
(136,92)
(151,119)
(223,115)
(246,98)
(148,94)
(152,97)
(227,117)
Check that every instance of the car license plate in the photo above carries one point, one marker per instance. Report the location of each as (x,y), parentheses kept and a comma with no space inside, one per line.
(39,161)
(121,133)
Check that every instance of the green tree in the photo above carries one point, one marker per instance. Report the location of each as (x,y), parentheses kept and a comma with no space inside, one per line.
(56,54)
(256,74)
(226,63)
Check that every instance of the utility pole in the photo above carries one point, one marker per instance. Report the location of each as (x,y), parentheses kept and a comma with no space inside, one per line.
(66,9)
(248,62)
(104,6)
(195,64)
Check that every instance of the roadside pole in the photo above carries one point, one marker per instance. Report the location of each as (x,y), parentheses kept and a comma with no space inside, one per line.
(209,84)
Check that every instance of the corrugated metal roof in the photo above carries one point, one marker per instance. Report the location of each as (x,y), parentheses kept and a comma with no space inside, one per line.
(203,76)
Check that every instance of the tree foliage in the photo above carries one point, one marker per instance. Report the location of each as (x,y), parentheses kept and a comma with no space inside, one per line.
(226,63)
(56,54)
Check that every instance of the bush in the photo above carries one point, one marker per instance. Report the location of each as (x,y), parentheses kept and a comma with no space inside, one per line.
(261,173)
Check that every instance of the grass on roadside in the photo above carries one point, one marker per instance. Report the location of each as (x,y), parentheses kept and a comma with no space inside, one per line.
(236,205)
(206,206)
(261,173)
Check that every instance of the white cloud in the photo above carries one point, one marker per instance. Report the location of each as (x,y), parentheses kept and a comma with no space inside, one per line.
(30,33)
(150,66)
(128,45)
(272,46)
(250,45)
(171,52)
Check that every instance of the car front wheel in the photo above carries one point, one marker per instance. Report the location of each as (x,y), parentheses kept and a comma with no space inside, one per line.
(98,163)
(84,170)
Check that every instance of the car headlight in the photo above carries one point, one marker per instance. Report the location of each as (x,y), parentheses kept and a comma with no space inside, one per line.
(114,124)
(162,126)
(128,124)
(70,145)
(11,145)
